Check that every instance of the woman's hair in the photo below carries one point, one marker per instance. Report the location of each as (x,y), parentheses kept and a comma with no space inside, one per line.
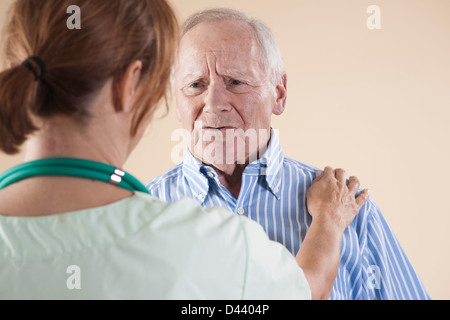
(273,61)
(79,62)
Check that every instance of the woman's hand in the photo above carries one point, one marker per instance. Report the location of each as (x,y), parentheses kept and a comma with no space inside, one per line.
(332,201)
(333,205)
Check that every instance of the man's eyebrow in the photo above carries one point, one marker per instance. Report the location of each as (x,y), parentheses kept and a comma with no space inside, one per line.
(235,73)
(192,76)
(244,74)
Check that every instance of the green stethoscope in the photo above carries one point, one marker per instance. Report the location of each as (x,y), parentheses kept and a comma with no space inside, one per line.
(74,168)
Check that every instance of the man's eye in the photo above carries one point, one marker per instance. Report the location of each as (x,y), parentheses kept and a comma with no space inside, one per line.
(195,88)
(236,82)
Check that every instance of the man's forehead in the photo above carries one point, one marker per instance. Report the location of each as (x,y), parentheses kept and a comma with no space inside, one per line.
(201,64)
(225,29)
(235,72)
(199,50)
(225,38)
(202,48)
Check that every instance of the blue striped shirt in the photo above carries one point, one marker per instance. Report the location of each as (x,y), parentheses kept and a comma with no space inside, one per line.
(373,264)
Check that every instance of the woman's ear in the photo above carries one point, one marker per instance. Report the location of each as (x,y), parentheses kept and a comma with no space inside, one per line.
(281,96)
(129,85)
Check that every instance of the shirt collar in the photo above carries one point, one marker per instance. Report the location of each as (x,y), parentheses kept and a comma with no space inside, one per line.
(194,171)
(269,166)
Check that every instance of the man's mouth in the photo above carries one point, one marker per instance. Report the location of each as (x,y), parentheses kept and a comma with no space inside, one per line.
(219,128)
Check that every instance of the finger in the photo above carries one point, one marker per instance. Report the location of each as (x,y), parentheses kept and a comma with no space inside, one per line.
(340,175)
(353,184)
(362,198)
(328,173)
(319,174)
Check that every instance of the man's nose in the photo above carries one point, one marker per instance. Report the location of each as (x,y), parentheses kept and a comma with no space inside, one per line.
(216,99)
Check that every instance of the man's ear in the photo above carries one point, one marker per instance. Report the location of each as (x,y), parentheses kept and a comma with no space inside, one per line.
(281,96)
(129,85)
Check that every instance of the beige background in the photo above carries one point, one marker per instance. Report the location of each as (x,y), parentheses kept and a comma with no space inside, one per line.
(375,102)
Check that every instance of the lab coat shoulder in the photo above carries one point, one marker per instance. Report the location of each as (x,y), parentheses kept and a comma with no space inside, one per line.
(228,256)
(272,271)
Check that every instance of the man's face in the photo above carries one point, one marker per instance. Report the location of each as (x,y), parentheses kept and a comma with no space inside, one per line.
(223,94)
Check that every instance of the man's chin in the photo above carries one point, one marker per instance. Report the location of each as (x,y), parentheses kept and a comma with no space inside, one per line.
(217,155)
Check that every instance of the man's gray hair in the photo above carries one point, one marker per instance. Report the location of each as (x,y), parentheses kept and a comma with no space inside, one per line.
(272,59)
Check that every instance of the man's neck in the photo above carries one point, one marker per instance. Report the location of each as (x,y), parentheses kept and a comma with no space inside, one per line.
(230,176)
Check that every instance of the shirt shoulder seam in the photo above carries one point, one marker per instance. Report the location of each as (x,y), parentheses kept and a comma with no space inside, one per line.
(300,165)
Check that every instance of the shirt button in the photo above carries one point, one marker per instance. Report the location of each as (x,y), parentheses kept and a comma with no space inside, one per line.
(276,190)
(210,174)
(200,197)
(240,211)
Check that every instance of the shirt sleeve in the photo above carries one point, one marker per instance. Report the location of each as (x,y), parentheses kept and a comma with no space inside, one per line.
(272,272)
(387,271)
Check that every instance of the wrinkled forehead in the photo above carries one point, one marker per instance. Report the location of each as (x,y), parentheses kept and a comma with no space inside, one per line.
(228,44)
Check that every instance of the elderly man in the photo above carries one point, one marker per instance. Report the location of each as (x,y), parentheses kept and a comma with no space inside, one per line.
(228,81)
